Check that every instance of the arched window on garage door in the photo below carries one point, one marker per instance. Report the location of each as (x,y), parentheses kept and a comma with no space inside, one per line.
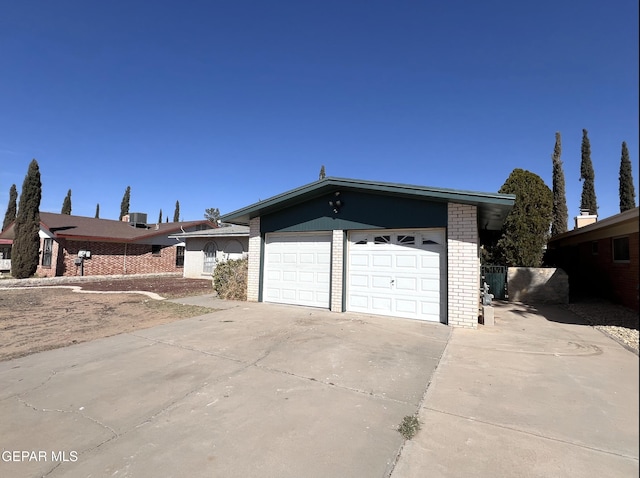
(209,257)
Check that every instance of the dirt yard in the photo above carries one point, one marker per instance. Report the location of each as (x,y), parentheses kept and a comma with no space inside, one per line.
(33,319)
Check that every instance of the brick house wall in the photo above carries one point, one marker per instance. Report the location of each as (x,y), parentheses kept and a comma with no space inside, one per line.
(463,291)
(108,258)
(596,273)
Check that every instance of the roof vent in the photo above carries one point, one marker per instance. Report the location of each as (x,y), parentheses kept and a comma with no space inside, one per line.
(138,219)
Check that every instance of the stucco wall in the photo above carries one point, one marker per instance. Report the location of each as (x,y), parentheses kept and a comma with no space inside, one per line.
(194,253)
(536,285)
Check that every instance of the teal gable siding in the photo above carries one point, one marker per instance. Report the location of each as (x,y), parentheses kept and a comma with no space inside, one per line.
(358,211)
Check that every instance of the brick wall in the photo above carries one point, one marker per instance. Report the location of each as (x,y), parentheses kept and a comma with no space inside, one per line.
(337,264)
(463,292)
(255,244)
(109,258)
(596,274)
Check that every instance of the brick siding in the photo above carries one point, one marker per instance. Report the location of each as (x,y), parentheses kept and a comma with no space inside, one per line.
(598,275)
(337,264)
(463,291)
(255,244)
(108,258)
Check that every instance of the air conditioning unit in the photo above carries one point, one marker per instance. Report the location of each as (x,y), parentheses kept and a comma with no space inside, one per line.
(138,219)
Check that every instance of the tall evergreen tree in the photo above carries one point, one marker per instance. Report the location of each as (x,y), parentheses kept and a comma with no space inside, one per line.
(322,173)
(526,228)
(588,201)
(124,205)
(627,189)
(12,207)
(176,213)
(66,204)
(98,211)
(26,244)
(560,214)
(160,216)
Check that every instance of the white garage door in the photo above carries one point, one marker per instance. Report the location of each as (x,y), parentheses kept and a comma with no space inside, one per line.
(297,269)
(397,273)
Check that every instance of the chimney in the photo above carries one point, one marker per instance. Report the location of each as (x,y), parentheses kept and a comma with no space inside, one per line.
(584,219)
(125,218)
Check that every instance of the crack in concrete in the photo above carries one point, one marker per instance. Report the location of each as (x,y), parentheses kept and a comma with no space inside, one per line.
(544,437)
(71,412)
(268,351)
(35,387)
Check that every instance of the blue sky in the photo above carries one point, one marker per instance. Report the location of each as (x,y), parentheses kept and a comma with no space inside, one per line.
(223,103)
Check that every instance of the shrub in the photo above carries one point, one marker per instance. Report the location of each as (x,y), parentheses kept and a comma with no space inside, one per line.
(230,279)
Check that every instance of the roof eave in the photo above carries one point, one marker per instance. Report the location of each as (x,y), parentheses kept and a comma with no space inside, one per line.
(311,190)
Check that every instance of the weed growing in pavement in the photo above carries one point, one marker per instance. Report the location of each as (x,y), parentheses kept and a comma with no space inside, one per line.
(409,427)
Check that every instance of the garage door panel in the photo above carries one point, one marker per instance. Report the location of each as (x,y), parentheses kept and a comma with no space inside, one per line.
(407,262)
(381,304)
(407,284)
(381,282)
(359,260)
(359,301)
(397,273)
(297,269)
(359,280)
(382,260)
(323,277)
(430,261)
(289,258)
(406,306)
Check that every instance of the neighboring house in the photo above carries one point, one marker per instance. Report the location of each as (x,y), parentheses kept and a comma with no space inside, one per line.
(77,245)
(5,255)
(205,249)
(372,247)
(601,258)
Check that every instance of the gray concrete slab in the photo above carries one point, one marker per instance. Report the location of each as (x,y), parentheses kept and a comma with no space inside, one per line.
(249,390)
(537,395)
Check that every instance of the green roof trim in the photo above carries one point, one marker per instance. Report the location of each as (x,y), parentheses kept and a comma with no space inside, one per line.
(493,207)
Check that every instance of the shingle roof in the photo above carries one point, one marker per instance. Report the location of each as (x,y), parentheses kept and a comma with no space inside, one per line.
(224,231)
(104,230)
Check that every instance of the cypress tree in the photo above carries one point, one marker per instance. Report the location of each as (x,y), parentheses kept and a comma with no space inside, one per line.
(124,205)
(160,217)
(588,201)
(26,244)
(98,211)
(66,204)
(627,190)
(560,214)
(12,207)
(526,228)
(176,213)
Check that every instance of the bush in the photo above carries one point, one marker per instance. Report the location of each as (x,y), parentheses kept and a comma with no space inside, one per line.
(230,279)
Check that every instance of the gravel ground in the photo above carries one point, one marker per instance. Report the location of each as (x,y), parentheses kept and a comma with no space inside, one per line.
(618,322)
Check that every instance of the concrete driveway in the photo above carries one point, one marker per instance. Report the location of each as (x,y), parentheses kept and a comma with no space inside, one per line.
(260,390)
(255,390)
(537,395)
